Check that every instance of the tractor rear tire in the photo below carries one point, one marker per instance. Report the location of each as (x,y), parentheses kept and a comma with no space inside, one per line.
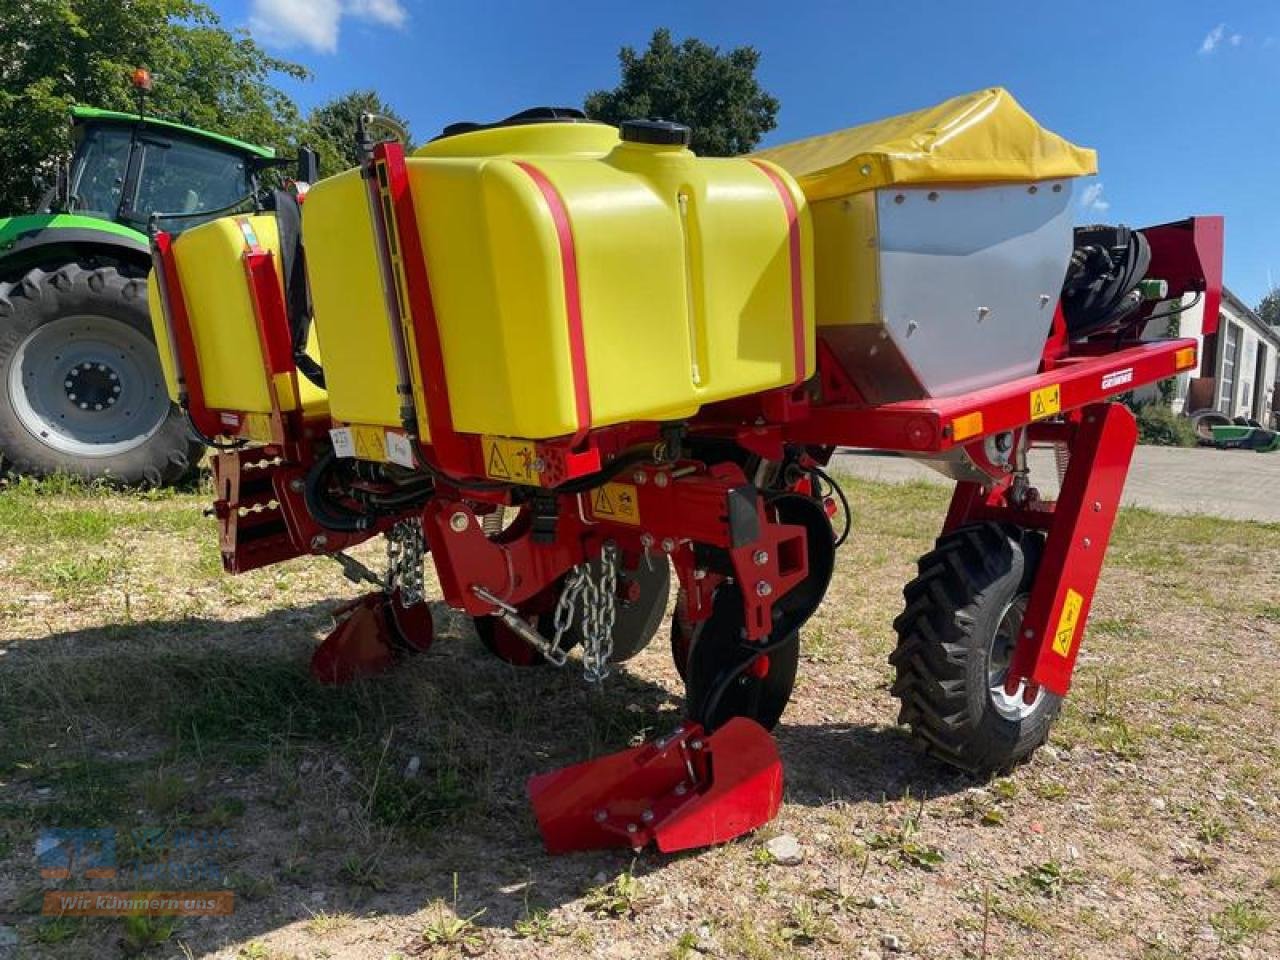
(963,616)
(82,391)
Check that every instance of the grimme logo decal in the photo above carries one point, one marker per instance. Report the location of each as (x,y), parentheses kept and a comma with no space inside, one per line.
(1117,378)
(157,860)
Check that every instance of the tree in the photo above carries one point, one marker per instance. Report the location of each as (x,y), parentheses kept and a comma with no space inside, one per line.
(331,128)
(55,53)
(1269,307)
(715,93)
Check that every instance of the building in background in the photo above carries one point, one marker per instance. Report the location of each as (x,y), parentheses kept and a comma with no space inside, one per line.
(1239,366)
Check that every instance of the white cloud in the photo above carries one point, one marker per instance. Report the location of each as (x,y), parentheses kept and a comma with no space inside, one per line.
(316,23)
(387,12)
(1092,199)
(1216,37)
(1213,39)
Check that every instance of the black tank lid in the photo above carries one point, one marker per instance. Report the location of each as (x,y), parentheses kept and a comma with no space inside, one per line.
(532,115)
(662,132)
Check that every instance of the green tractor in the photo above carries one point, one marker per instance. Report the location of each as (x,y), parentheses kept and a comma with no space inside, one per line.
(81,387)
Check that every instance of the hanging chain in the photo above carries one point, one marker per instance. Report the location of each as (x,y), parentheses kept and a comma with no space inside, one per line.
(591,599)
(406,549)
(599,610)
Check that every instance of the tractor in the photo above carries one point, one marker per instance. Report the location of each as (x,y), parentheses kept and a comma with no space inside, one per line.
(81,386)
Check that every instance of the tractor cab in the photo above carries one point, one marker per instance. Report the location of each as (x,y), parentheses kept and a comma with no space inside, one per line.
(127,167)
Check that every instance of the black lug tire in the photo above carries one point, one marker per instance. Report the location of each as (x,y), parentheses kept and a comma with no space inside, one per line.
(168,456)
(953,609)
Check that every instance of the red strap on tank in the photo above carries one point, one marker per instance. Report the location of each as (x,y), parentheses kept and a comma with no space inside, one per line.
(187,364)
(572,295)
(797,265)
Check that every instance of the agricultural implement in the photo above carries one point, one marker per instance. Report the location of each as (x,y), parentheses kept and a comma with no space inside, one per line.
(567,360)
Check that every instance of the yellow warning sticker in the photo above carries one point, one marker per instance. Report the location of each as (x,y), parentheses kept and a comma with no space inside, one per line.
(617,502)
(369,444)
(257,426)
(514,460)
(1067,623)
(1046,401)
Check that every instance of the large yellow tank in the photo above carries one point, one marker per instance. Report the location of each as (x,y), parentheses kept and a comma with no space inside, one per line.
(693,280)
(224,327)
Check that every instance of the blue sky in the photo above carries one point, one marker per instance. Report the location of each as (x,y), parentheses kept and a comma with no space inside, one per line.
(1180,98)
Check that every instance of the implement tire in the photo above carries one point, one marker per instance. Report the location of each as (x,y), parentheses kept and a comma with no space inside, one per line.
(82,391)
(963,615)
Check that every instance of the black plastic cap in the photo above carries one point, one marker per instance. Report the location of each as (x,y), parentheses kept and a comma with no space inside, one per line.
(666,133)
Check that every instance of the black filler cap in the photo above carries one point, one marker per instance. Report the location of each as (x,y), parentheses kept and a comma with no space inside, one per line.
(666,133)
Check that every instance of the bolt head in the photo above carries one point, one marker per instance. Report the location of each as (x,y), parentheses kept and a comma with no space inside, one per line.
(1087,543)
(681,789)
(602,816)
(296,485)
(458,522)
(761,557)
(668,545)
(639,477)
(632,828)
(695,744)
(647,816)
(319,541)
(1028,634)
(661,480)
(764,588)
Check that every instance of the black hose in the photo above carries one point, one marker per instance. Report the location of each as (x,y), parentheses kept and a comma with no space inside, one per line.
(844,503)
(346,521)
(213,442)
(713,701)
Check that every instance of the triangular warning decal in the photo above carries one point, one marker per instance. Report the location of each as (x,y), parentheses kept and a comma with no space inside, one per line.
(603,505)
(497,466)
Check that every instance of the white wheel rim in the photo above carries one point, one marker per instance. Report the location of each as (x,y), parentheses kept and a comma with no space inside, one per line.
(88,386)
(1010,706)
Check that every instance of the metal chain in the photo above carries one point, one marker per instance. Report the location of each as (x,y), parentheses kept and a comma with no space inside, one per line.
(600,609)
(597,596)
(406,549)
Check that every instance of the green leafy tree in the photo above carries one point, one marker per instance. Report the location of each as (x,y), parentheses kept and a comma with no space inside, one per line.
(331,128)
(1269,307)
(717,94)
(54,53)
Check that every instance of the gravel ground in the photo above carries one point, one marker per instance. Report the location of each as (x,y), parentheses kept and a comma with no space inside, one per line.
(140,688)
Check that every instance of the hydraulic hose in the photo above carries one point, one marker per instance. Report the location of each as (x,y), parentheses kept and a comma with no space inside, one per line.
(340,520)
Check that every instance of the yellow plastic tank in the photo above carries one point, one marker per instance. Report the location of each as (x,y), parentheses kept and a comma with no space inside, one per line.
(691,278)
(215,287)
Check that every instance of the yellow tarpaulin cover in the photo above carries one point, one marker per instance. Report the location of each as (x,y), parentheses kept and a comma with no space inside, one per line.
(983,136)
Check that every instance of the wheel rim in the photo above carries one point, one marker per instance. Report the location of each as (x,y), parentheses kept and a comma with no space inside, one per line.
(88,386)
(1011,706)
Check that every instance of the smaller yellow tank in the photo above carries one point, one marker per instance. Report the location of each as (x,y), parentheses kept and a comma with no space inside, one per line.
(215,288)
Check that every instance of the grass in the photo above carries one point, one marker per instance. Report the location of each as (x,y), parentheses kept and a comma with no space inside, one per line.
(142,689)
